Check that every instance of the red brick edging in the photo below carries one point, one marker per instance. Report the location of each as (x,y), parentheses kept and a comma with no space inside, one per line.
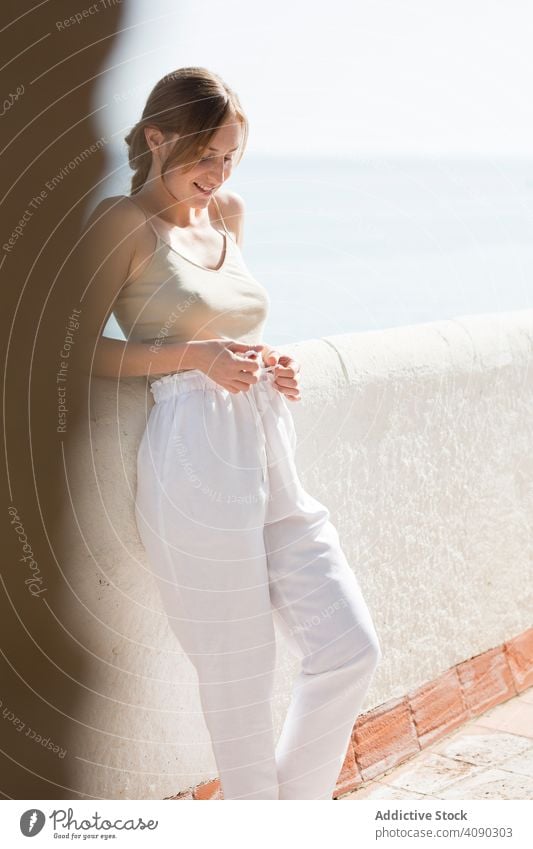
(396,730)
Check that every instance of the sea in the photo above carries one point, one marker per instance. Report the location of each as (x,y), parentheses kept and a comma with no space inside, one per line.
(349,245)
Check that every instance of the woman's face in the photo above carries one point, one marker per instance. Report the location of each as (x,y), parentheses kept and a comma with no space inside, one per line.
(209,172)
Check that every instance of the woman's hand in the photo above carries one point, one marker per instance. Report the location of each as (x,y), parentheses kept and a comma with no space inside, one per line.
(286,373)
(224,362)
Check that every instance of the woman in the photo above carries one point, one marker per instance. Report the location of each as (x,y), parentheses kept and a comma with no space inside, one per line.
(232,537)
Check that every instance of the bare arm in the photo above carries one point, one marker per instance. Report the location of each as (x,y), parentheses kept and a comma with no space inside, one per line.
(115,357)
(107,250)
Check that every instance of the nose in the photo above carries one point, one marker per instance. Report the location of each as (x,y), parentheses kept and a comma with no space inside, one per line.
(217,171)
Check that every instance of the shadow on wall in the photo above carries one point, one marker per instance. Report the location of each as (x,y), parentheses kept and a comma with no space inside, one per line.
(53,159)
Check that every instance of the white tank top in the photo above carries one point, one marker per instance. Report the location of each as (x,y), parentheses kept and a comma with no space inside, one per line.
(177,300)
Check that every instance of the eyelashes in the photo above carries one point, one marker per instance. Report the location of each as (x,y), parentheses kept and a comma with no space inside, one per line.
(226,159)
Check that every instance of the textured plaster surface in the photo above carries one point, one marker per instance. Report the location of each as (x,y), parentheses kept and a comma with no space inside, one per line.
(418,439)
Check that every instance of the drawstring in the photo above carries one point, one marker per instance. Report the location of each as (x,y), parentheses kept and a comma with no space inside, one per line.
(261,438)
(266,373)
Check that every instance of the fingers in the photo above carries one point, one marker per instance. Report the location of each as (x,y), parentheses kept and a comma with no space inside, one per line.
(249,373)
(246,378)
(287,384)
(286,372)
(287,366)
(287,378)
(291,394)
(245,356)
(244,346)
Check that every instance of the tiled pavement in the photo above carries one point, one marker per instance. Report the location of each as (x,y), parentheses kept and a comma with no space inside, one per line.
(489,757)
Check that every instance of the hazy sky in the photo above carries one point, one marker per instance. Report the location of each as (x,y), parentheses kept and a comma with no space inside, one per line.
(342,77)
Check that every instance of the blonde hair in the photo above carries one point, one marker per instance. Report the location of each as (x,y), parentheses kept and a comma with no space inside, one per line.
(192,102)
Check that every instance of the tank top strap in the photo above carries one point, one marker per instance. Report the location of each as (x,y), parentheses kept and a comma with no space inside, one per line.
(160,237)
(232,238)
(147,219)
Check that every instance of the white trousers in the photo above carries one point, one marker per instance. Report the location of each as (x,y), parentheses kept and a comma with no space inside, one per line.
(234,540)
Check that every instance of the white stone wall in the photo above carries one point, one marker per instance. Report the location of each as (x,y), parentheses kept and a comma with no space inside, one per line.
(420,441)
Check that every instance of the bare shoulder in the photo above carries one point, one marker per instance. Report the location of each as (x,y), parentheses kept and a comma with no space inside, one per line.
(110,238)
(116,211)
(232,210)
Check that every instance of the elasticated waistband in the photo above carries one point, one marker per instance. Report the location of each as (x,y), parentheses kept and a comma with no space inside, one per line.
(186,381)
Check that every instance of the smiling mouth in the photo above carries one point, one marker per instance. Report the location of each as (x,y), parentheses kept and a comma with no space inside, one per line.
(205,192)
